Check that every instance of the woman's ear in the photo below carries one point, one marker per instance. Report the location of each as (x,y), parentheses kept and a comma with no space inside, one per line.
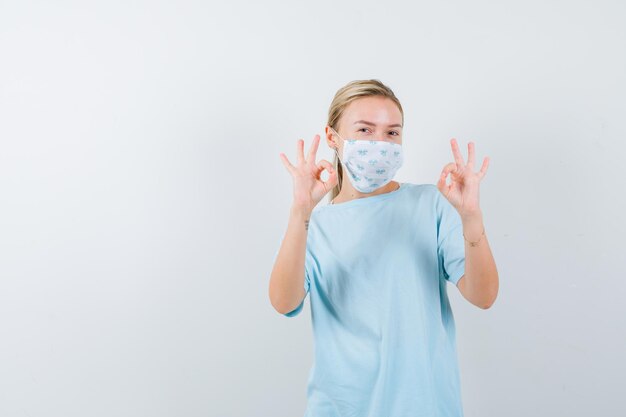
(330,141)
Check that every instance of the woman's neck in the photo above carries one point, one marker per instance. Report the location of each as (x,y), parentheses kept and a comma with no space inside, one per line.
(348,192)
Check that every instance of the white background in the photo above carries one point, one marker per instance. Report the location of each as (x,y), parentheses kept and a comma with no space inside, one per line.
(142,196)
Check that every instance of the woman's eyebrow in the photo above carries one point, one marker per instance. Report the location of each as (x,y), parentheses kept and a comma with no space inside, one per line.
(365,122)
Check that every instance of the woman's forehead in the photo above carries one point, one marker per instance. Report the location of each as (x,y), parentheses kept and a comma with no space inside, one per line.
(378,111)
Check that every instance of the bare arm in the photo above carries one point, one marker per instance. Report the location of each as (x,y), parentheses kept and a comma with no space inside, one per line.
(479,285)
(286,287)
(287,280)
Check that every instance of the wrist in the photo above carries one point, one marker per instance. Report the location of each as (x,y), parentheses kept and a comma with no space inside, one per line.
(473,216)
(473,229)
(300,210)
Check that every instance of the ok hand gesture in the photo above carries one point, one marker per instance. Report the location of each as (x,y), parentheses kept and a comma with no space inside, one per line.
(308,188)
(462,192)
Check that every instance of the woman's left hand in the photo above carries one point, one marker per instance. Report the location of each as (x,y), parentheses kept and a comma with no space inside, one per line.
(462,192)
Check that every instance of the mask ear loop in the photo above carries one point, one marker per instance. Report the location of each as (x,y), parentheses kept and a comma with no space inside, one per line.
(339,159)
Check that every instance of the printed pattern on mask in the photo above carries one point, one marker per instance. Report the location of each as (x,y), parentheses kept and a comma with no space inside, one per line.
(371,163)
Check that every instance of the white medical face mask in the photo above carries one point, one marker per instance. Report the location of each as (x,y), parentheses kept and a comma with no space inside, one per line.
(370,164)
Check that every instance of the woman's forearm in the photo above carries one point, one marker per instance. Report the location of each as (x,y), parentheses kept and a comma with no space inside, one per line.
(480,284)
(286,289)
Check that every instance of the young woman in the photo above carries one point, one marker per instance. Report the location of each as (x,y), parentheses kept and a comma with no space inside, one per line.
(376,260)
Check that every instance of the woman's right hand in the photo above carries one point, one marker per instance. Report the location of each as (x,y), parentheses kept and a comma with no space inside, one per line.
(308,188)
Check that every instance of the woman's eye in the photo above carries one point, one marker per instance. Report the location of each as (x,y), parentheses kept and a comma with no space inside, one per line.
(391,132)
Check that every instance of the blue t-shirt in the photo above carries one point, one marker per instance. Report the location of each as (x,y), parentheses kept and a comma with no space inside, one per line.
(376,269)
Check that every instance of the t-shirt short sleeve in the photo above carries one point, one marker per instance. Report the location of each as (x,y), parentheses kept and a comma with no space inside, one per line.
(450,240)
(298,309)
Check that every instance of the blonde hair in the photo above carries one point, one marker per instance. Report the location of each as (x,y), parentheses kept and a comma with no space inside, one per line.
(352,91)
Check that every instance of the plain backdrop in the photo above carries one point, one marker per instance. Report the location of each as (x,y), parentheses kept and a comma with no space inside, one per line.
(142,196)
